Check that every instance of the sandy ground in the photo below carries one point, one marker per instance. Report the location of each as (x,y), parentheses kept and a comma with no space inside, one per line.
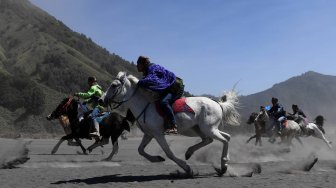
(67,168)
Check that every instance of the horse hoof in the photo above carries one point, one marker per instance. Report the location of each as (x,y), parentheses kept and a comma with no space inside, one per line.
(256,168)
(221,172)
(107,159)
(157,159)
(187,156)
(187,174)
(190,174)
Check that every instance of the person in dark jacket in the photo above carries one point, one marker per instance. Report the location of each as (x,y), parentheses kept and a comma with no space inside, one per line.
(297,111)
(298,114)
(278,113)
(163,81)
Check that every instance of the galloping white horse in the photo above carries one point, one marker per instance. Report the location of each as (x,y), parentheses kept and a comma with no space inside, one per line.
(204,123)
(311,129)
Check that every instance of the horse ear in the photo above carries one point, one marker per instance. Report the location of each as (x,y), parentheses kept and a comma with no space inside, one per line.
(123,78)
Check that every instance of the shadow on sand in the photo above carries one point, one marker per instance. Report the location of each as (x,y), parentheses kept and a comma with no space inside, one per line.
(61,154)
(117,178)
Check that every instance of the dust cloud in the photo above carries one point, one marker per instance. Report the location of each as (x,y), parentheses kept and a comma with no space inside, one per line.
(12,155)
(246,157)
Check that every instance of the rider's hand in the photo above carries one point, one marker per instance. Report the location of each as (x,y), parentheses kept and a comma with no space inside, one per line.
(76,95)
(101,102)
(49,117)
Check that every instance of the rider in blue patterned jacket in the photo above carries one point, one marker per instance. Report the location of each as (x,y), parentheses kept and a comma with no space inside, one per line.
(159,79)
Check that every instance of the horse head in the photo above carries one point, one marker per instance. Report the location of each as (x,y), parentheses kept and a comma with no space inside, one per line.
(67,107)
(120,89)
(252,118)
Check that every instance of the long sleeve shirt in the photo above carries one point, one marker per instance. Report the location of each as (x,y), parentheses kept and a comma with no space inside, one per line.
(92,96)
(157,78)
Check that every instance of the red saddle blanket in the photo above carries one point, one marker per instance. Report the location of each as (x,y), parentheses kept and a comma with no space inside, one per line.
(179,105)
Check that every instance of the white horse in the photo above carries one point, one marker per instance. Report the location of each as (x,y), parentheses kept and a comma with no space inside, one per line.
(312,129)
(204,123)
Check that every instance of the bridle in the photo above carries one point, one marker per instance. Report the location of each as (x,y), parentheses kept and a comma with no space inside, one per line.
(117,92)
(66,105)
(119,103)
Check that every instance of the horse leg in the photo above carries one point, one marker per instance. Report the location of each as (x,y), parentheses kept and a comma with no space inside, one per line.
(165,147)
(81,145)
(216,134)
(104,141)
(72,143)
(289,139)
(54,150)
(144,142)
(258,140)
(318,134)
(299,140)
(192,149)
(254,136)
(115,149)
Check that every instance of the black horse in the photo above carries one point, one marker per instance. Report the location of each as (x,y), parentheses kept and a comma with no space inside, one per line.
(111,126)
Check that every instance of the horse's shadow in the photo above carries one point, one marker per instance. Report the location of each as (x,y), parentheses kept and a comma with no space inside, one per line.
(117,178)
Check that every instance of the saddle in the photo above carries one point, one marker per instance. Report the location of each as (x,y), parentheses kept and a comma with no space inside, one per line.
(180,105)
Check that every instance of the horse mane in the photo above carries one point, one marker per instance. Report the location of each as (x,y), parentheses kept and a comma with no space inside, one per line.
(133,79)
(150,95)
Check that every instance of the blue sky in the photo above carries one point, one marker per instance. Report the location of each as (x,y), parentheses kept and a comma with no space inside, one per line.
(212,44)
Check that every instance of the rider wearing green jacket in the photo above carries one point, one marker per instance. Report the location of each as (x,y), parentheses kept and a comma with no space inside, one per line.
(91,97)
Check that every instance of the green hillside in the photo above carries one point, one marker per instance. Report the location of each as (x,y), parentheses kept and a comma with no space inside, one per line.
(43,61)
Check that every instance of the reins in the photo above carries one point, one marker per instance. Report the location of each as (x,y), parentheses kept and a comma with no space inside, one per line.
(65,106)
(119,103)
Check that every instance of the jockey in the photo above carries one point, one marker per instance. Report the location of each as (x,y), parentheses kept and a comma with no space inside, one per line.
(262,114)
(92,97)
(158,79)
(298,113)
(278,113)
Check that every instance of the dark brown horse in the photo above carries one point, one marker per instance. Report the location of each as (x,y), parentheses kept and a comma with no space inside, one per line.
(111,127)
(259,127)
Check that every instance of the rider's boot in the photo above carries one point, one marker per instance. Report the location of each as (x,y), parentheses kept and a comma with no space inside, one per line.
(172,130)
(96,133)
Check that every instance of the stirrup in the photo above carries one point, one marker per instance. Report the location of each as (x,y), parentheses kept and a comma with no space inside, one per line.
(95,134)
(171,131)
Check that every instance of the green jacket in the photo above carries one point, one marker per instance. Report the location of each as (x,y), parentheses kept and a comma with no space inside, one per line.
(92,96)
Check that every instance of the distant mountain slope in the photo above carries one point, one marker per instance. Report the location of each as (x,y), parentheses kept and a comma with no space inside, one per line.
(42,59)
(315,93)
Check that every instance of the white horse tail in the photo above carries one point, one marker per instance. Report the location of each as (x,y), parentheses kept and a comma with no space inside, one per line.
(229,102)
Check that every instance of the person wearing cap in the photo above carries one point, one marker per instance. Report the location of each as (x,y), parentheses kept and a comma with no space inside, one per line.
(163,81)
(278,113)
(298,114)
(91,97)
(298,111)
